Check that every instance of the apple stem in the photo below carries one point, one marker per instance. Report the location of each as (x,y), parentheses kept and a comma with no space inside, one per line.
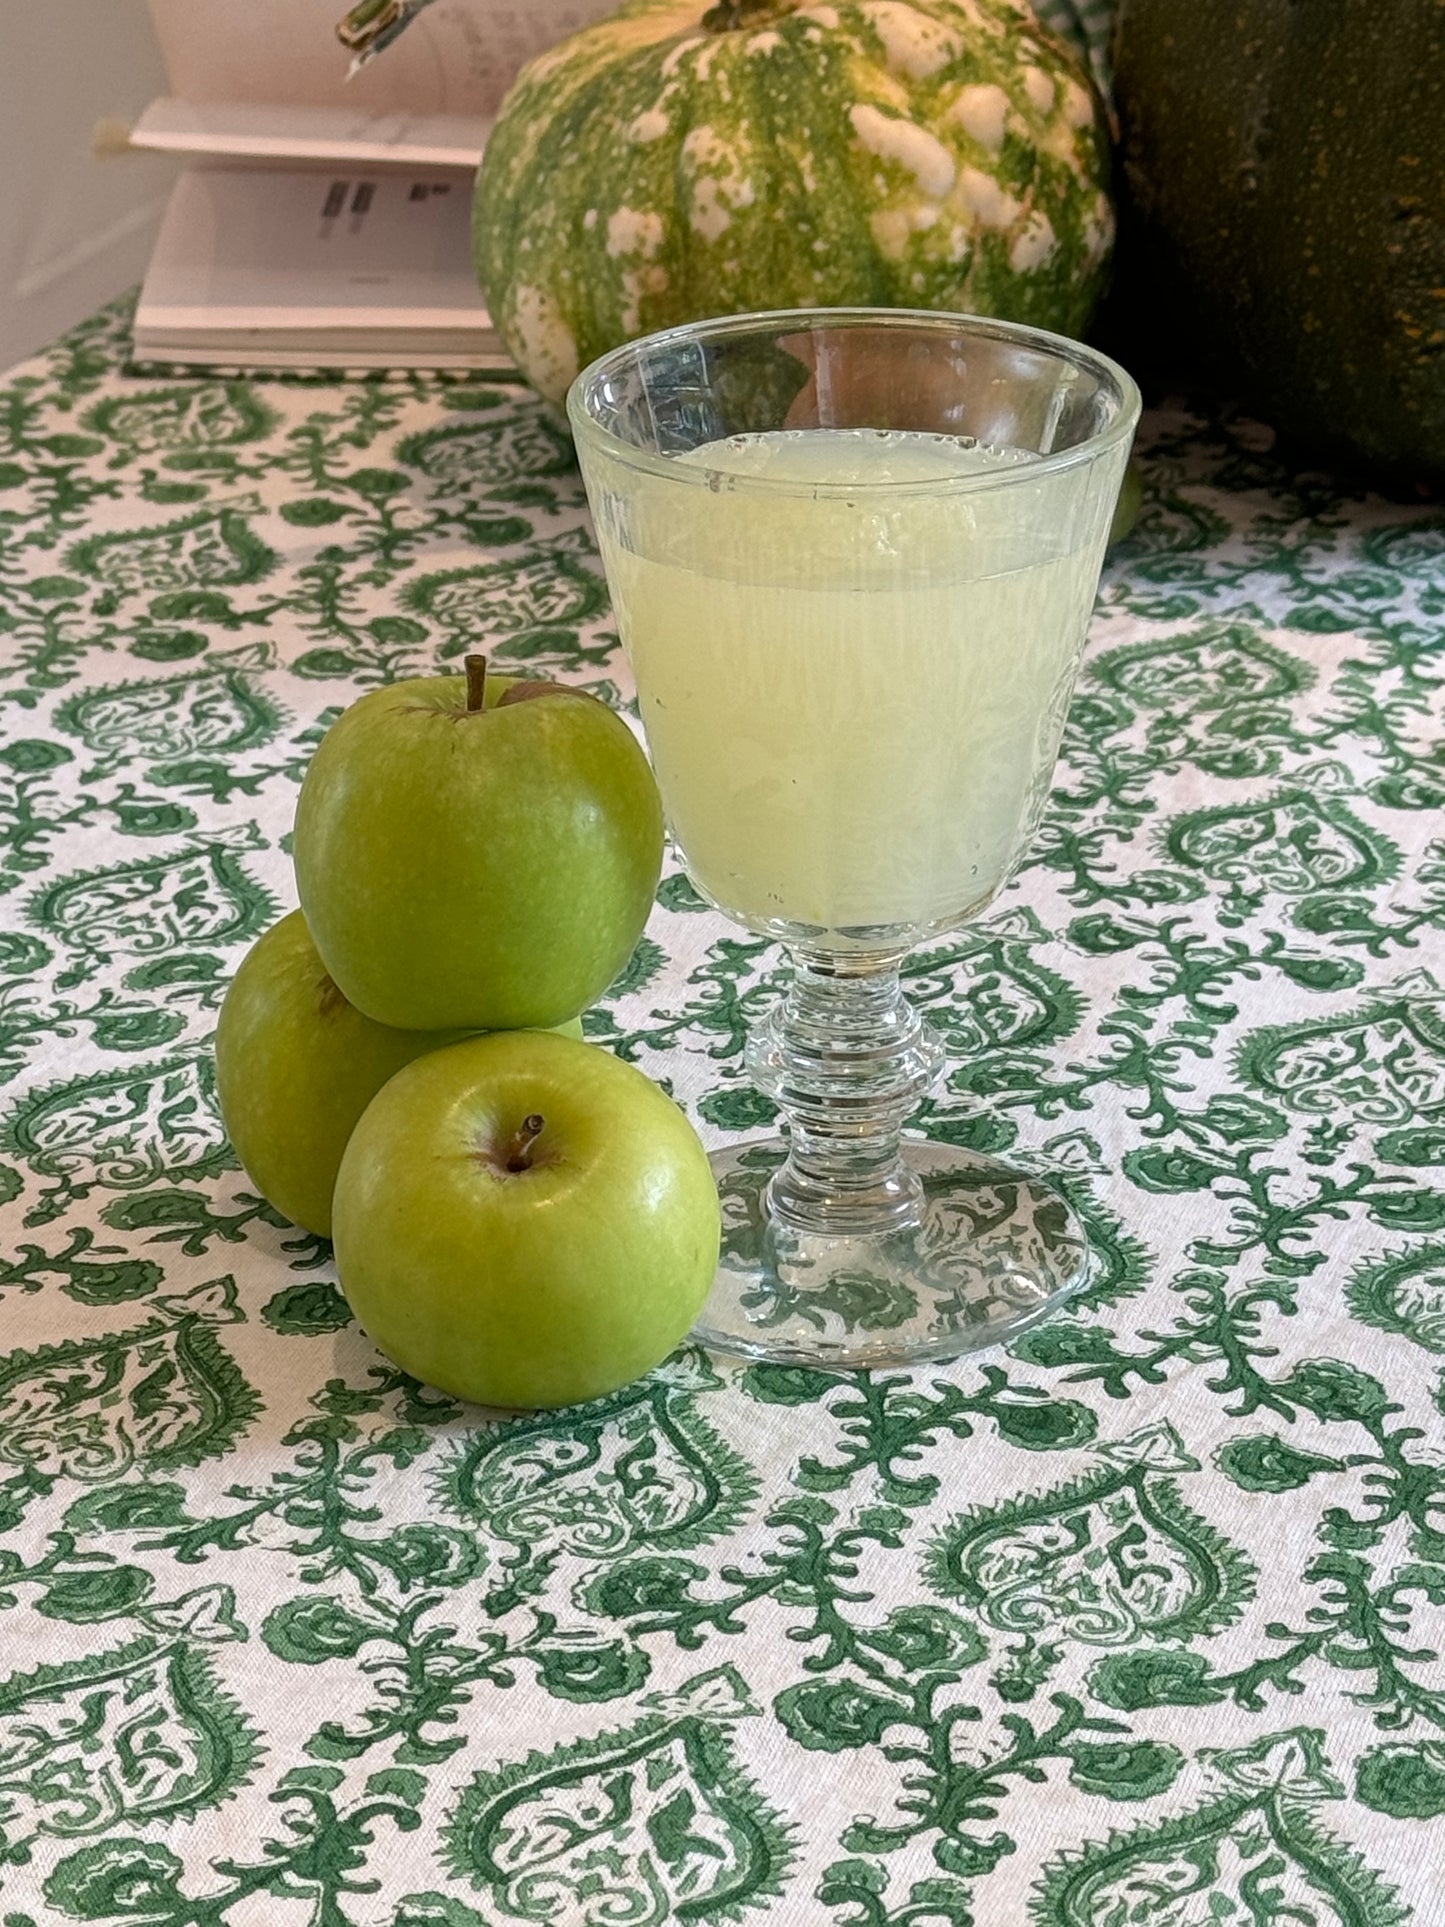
(476,683)
(519,1151)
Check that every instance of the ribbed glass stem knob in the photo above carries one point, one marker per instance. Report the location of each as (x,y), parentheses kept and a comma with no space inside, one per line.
(848,1060)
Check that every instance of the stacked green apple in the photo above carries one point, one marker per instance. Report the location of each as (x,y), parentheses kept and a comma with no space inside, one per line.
(519,1218)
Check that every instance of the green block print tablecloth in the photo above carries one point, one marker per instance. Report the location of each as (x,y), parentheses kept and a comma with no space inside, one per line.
(1139,1622)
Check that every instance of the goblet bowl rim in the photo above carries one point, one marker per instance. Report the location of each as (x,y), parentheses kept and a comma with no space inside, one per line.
(590,432)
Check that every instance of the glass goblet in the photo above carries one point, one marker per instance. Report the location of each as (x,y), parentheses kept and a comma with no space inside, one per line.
(852,556)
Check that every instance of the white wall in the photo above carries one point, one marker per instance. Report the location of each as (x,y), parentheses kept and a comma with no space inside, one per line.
(74,229)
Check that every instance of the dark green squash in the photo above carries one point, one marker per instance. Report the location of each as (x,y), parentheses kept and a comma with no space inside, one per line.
(1285,170)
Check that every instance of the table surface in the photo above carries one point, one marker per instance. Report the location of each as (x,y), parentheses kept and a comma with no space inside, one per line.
(1138,1621)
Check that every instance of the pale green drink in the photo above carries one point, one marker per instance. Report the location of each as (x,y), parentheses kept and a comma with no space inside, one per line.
(853,698)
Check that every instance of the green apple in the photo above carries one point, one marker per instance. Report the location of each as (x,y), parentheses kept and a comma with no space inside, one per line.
(467,860)
(296,1065)
(522,1220)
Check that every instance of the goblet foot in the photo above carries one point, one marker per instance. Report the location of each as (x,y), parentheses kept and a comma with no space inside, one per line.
(992,1251)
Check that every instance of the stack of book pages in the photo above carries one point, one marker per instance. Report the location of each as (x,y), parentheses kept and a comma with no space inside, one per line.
(322,219)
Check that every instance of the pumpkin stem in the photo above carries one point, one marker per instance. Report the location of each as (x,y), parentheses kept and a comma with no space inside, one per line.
(730,16)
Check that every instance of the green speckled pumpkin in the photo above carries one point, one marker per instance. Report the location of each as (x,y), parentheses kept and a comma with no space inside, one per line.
(695,157)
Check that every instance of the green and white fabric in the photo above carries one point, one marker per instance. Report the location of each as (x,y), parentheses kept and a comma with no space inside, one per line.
(1141,1621)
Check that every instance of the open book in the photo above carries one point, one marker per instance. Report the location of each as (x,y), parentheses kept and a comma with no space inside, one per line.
(325,220)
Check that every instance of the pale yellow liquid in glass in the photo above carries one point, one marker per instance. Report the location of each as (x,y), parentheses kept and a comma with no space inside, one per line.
(853,703)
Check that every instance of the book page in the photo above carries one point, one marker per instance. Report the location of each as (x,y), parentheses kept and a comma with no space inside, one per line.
(248,130)
(458,57)
(320,249)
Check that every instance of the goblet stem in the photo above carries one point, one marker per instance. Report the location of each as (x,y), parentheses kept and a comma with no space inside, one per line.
(847,1059)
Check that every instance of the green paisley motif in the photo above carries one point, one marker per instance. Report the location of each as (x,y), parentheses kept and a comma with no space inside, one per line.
(135,1733)
(464,458)
(199,895)
(649,1824)
(220,712)
(164,1393)
(1206,668)
(513,600)
(120,1130)
(1253,1854)
(215,546)
(1385,1061)
(1106,1559)
(1007,997)
(194,419)
(642,1468)
(1292,843)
